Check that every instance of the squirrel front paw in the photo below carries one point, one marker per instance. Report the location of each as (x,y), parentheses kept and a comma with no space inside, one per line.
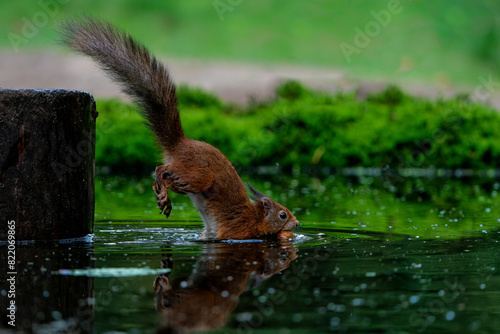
(285,235)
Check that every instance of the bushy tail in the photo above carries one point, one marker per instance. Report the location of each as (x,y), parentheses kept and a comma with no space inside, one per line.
(140,75)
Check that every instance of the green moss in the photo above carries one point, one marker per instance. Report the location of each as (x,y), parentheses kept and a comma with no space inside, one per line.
(307,128)
(195,97)
(123,141)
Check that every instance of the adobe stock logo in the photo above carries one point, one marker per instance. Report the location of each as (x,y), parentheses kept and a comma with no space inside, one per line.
(32,25)
(224,6)
(363,37)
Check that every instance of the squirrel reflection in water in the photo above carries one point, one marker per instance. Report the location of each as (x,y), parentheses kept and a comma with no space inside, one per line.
(205,299)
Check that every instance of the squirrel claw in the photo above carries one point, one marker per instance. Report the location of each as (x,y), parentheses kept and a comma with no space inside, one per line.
(164,204)
(161,191)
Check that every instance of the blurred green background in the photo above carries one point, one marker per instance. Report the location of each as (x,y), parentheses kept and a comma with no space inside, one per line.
(436,45)
(440,42)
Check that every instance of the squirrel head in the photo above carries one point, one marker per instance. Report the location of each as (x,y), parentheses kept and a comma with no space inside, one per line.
(275,216)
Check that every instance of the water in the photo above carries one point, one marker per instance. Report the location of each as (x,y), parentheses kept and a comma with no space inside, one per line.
(372,255)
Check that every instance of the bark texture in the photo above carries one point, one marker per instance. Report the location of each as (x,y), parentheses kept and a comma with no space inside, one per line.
(47,162)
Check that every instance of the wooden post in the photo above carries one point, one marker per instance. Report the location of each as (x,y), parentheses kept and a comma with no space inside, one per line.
(47,162)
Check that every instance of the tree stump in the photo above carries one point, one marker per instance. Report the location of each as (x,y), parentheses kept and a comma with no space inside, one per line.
(47,162)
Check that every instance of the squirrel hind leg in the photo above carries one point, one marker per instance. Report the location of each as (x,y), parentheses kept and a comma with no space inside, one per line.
(161,186)
(183,179)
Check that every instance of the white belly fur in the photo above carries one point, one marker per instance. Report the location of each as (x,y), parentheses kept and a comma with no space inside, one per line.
(199,202)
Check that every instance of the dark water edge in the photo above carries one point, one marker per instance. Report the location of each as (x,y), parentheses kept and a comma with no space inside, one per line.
(420,256)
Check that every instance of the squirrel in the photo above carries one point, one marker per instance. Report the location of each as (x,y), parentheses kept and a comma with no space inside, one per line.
(191,167)
(224,271)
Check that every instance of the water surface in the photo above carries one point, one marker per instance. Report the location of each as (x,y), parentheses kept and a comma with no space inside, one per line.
(419,256)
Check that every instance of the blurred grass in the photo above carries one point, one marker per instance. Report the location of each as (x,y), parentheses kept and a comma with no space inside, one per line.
(441,42)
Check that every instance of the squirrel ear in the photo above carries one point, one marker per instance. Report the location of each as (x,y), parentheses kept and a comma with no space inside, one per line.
(267,204)
(256,195)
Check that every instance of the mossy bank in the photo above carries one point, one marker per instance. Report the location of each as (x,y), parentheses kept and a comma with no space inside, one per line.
(304,128)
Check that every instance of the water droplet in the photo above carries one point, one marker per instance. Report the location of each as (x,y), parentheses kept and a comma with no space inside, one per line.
(474,326)
(243,317)
(414,299)
(56,315)
(450,315)
(335,321)
(358,301)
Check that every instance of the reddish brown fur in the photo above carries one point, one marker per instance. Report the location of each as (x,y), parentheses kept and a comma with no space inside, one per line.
(191,167)
(205,299)
(200,168)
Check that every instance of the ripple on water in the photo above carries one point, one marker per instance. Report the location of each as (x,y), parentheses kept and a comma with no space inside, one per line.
(111,272)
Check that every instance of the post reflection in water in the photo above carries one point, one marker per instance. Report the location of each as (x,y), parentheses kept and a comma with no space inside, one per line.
(205,299)
(46,302)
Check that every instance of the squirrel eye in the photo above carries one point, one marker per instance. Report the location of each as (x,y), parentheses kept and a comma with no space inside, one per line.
(283,215)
